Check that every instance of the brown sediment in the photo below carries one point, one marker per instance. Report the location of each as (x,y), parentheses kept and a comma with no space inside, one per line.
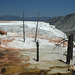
(12,49)
(14,66)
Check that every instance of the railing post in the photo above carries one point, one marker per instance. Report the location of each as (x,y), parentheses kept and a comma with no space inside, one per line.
(68,51)
(72,46)
(37,56)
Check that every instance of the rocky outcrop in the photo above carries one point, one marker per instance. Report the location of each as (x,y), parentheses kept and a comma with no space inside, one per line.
(64,23)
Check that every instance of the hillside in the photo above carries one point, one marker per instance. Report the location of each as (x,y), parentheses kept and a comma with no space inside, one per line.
(17,18)
(64,23)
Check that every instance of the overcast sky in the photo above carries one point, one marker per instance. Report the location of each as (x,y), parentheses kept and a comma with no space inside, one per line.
(48,8)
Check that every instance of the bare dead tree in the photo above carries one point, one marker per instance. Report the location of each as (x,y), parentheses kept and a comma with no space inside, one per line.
(23,28)
(36,27)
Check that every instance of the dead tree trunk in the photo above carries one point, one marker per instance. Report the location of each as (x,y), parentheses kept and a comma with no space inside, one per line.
(36,27)
(23,28)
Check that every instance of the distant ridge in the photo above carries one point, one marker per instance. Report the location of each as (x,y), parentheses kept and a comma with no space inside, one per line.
(17,18)
(10,18)
(64,23)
